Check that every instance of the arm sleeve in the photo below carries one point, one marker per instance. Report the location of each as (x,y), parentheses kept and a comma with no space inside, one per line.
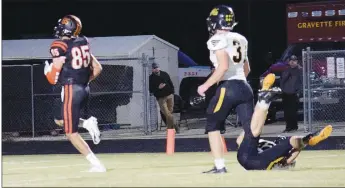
(266,72)
(300,82)
(276,68)
(170,82)
(284,78)
(57,49)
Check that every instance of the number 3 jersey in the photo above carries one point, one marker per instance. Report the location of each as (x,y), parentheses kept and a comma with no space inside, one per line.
(76,69)
(236,46)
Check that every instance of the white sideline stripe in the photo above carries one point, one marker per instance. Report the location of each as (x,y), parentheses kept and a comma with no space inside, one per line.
(42,182)
(47,180)
(20,182)
(122,162)
(40,167)
(40,161)
(31,162)
(338,166)
(322,156)
(63,166)
(25,182)
(63,158)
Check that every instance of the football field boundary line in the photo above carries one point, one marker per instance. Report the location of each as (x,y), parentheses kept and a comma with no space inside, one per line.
(44,167)
(47,180)
(80,158)
(42,181)
(84,174)
(85,164)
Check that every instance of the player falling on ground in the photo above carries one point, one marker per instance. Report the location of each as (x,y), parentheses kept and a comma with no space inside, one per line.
(267,144)
(74,67)
(282,154)
(228,53)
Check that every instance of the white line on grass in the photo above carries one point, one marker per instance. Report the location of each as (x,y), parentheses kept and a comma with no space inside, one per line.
(49,180)
(45,182)
(200,161)
(21,182)
(40,167)
(322,156)
(31,162)
(122,162)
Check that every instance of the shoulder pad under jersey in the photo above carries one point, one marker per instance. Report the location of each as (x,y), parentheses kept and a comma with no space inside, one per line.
(86,39)
(58,48)
(217,42)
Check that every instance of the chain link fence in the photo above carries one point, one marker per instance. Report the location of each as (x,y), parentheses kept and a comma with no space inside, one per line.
(119,99)
(17,100)
(324,89)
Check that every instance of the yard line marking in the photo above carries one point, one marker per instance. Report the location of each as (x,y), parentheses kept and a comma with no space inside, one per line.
(30,162)
(322,156)
(176,173)
(122,162)
(42,182)
(42,167)
(18,182)
(332,166)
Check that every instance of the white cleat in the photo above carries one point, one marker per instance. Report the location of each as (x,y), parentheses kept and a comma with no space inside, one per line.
(91,125)
(99,168)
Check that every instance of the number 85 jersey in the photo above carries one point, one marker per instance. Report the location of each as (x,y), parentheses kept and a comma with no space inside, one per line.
(76,69)
(236,46)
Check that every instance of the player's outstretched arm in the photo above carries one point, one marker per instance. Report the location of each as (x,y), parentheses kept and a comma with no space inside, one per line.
(96,68)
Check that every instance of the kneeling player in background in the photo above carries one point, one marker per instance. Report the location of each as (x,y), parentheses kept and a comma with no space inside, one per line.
(282,154)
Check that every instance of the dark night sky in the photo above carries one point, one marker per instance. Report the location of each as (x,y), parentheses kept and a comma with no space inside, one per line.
(182,23)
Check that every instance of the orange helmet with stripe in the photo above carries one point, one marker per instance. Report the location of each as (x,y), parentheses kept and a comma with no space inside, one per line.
(69,26)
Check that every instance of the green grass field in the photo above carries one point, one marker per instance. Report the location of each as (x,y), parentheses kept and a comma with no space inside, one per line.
(313,169)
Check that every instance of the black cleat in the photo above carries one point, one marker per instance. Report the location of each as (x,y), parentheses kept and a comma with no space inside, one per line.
(318,136)
(214,170)
(310,135)
(267,93)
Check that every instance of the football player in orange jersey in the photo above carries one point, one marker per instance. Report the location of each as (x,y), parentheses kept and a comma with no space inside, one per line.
(74,67)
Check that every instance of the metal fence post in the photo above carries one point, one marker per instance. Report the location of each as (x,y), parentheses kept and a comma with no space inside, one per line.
(146,96)
(304,76)
(147,83)
(144,93)
(308,62)
(32,102)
